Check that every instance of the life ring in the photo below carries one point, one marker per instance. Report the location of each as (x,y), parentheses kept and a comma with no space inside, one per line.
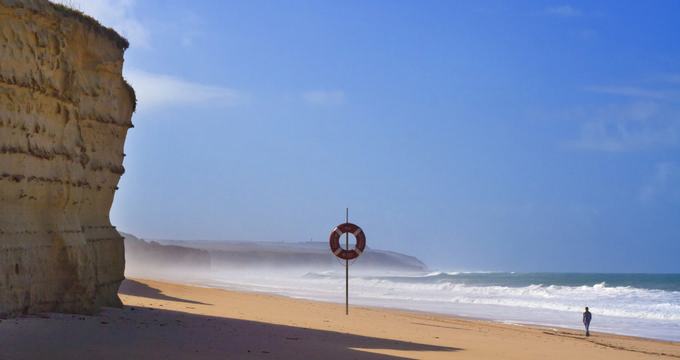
(335,241)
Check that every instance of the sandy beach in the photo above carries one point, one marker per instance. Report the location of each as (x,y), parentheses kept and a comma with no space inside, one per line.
(171,321)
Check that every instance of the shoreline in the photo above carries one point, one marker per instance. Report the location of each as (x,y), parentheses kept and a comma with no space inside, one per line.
(173,321)
(464,313)
(608,340)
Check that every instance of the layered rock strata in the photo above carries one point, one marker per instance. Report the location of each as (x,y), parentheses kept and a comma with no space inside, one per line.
(65,110)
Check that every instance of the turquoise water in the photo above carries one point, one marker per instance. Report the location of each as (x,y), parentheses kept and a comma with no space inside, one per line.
(664,282)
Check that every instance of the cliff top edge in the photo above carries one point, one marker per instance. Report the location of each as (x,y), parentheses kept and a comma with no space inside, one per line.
(67,12)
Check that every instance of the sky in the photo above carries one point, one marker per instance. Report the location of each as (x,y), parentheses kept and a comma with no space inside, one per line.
(475,135)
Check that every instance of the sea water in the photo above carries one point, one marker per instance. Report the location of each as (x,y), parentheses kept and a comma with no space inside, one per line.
(643,305)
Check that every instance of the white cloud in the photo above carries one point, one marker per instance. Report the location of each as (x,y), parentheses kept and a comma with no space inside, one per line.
(640,125)
(190,27)
(187,40)
(649,120)
(564,10)
(668,78)
(636,92)
(162,91)
(663,185)
(116,14)
(619,137)
(673,78)
(322,97)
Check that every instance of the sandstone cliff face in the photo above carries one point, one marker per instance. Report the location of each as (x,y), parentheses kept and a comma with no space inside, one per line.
(64,114)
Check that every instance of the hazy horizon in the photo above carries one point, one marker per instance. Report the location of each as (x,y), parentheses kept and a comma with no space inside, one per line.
(499,136)
(323,245)
(633,304)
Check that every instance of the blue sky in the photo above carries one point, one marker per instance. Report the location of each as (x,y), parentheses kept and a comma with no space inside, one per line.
(475,135)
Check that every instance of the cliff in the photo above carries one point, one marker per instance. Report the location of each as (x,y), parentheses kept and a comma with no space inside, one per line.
(143,257)
(65,110)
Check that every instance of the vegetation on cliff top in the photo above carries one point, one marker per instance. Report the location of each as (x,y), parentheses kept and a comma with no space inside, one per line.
(66,11)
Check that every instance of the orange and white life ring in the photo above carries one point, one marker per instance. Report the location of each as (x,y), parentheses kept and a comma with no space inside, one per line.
(335,241)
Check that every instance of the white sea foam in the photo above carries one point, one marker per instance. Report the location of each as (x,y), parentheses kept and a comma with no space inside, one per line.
(618,309)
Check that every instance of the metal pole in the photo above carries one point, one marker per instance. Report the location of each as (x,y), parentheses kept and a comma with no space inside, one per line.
(347,266)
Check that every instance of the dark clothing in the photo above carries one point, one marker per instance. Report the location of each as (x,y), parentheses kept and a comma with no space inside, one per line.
(587,316)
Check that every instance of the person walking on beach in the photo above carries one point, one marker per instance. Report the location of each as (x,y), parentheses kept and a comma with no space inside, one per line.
(587,316)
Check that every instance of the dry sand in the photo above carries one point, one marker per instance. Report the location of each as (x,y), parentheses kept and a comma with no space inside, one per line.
(170,321)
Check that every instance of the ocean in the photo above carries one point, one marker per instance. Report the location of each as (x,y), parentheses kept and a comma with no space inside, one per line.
(642,305)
